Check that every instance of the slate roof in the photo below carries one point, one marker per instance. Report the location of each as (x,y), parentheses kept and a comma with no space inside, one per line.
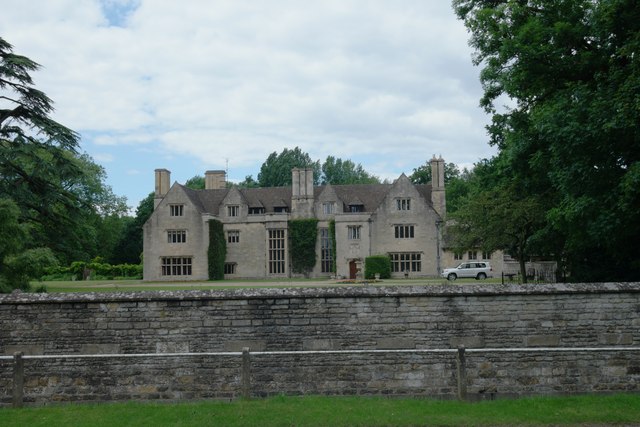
(368,195)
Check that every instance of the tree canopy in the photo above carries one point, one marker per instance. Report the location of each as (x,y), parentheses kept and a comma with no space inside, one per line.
(569,136)
(336,171)
(55,195)
(276,170)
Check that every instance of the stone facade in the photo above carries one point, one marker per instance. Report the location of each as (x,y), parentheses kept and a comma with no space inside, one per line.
(400,219)
(533,317)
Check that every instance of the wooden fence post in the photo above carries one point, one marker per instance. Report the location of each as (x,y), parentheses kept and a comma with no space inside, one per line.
(246,373)
(462,373)
(18,379)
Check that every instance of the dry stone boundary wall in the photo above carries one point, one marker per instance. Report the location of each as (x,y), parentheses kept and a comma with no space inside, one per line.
(323,319)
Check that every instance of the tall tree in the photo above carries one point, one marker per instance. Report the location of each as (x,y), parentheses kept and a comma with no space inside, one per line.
(572,70)
(129,247)
(276,170)
(337,171)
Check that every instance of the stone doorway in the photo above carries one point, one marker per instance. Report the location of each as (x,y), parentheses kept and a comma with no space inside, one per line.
(353,269)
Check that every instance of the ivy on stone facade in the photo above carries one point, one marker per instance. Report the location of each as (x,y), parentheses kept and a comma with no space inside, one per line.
(303,235)
(217,250)
(332,238)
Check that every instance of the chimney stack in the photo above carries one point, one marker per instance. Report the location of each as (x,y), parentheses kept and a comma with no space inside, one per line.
(215,180)
(302,192)
(438,199)
(163,183)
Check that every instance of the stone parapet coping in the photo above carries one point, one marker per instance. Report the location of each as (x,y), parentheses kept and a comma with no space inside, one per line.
(356,291)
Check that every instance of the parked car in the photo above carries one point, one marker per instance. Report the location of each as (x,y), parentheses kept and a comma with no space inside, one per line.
(476,270)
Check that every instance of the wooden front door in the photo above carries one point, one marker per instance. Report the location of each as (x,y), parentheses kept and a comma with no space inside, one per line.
(352,270)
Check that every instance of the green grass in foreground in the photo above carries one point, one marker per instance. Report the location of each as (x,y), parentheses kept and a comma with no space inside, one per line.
(338,411)
(139,285)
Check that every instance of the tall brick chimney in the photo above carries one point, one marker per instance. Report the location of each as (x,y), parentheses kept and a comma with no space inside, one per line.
(215,180)
(438,198)
(163,183)
(302,192)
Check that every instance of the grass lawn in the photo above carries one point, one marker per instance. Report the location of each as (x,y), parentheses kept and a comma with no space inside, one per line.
(338,411)
(139,285)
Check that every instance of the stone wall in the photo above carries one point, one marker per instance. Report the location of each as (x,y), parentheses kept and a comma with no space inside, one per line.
(326,319)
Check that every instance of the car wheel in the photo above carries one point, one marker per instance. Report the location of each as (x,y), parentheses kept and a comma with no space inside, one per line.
(481,276)
(452,276)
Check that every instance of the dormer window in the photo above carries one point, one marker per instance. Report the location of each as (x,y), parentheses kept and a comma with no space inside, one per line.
(329,208)
(403,204)
(280,209)
(256,211)
(233,210)
(356,208)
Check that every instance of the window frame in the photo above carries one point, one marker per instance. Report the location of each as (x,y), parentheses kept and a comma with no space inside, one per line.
(402,262)
(176,209)
(233,211)
(403,203)
(233,236)
(404,231)
(328,208)
(354,232)
(176,236)
(174,266)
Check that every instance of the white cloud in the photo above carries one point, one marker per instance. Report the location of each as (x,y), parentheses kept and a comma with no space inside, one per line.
(239,79)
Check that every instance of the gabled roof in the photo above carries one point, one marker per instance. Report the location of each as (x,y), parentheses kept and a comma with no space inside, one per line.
(370,196)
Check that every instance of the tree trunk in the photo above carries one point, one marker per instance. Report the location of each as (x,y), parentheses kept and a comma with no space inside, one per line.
(523,268)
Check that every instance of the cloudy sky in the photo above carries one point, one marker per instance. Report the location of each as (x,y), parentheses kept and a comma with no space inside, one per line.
(194,85)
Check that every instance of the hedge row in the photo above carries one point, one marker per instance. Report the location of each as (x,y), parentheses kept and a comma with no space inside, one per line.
(80,270)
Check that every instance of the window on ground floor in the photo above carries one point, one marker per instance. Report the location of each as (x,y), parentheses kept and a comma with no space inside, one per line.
(277,251)
(176,266)
(410,261)
(326,251)
(230,268)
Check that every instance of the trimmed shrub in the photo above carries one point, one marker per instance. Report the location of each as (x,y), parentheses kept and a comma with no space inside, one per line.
(380,264)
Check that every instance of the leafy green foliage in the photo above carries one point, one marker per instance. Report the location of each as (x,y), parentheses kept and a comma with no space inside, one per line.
(499,218)
(97,269)
(23,266)
(217,252)
(336,171)
(249,182)
(303,235)
(129,246)
(422,174)
(377,264)
(62,201)
(195,183)
(457,182)
(276,170)
(570,138)
(332,240)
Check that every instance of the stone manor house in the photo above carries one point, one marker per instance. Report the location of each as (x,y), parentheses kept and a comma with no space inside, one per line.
(401,220)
